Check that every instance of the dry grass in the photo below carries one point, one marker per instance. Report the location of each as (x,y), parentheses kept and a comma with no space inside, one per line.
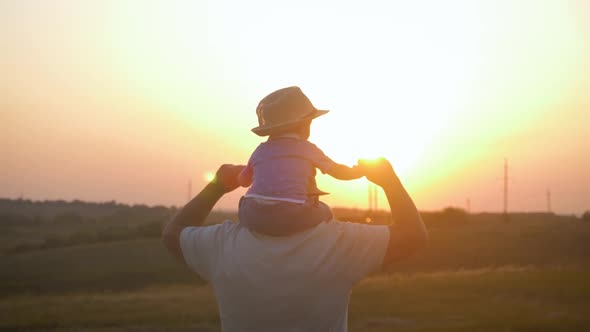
(530,274)
(509,298)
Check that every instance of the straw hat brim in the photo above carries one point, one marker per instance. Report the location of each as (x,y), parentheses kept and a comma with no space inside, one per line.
(273,128)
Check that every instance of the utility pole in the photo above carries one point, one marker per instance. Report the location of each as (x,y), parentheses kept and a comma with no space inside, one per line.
(548,201)
(370,188)
(468,205)
(373,197)
(505,187)
(190,190)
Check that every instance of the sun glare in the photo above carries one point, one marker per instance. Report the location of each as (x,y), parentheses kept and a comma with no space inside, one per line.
(209,176)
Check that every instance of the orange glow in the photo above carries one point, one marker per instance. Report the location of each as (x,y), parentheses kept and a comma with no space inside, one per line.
(97,100)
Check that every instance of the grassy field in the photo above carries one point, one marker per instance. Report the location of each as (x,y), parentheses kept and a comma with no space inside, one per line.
(500,299)
(479,273)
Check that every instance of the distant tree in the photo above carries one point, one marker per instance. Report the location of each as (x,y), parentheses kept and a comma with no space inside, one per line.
(454,213)
(454,216)
(586,216)
(78,203)
(449,217)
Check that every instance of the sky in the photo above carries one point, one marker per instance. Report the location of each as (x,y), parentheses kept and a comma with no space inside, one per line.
(130,100)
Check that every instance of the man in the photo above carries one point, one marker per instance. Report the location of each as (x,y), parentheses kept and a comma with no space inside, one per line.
(300,282)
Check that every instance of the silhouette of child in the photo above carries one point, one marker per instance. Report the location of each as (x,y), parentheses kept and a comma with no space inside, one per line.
(283,197)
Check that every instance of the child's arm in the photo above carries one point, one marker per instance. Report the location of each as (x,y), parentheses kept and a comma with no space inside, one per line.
(245,176)
(343,172)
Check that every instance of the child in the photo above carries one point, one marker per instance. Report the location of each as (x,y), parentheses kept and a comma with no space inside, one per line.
(283,198)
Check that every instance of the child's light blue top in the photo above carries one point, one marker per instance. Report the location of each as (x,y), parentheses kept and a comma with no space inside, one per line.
(284,169)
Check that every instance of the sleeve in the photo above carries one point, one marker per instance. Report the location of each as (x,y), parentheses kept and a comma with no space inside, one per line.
(246,175)
(201,247)
(319,159)
(364,248)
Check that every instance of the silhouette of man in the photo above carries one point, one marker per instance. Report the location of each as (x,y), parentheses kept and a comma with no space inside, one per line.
(300,282)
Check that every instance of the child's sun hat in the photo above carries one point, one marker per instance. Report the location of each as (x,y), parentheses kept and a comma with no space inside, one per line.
(284,109)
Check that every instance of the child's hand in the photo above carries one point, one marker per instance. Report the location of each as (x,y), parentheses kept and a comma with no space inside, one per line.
(227,175)
(378,171)
(243,182)
(245,177)
(358,171)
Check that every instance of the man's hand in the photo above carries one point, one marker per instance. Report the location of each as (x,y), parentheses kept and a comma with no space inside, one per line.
(196,211)
(408,234)
(226,177)
(378,171)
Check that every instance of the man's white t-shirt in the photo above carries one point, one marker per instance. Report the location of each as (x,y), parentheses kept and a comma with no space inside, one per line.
(296,283)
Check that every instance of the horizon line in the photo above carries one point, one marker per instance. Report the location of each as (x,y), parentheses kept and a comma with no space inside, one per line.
(115,202)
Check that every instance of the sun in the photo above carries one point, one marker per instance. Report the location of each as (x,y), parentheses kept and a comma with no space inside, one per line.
(403,140)
(209,176)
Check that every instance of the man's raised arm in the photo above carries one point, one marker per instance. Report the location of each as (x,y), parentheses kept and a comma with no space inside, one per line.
(408,233)
(196,211)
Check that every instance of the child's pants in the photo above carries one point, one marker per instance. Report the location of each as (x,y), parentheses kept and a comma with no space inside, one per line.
(280,218)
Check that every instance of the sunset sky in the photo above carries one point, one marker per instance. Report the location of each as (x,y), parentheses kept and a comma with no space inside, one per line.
(128,100)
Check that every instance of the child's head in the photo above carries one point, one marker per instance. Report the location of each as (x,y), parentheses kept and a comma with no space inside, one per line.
(302,131)
(284,111)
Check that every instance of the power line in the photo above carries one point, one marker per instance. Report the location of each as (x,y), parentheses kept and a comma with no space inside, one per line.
(373,197)
(505,186)
(376,197)
(190,190)
(370,194)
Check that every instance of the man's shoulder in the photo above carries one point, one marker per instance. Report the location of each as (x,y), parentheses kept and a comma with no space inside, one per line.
(211,231)
(334,227)
(352,247)
(336,230)
(345,233)
(200,244)
(355,228)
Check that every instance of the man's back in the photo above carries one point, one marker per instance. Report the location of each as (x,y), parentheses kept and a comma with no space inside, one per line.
(296,283)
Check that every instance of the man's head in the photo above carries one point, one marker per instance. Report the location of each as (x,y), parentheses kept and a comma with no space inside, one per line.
(285,110)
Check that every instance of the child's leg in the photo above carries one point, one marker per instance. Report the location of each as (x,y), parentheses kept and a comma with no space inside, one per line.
(325,211)
(278,218)
(320,210)
(294,218)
